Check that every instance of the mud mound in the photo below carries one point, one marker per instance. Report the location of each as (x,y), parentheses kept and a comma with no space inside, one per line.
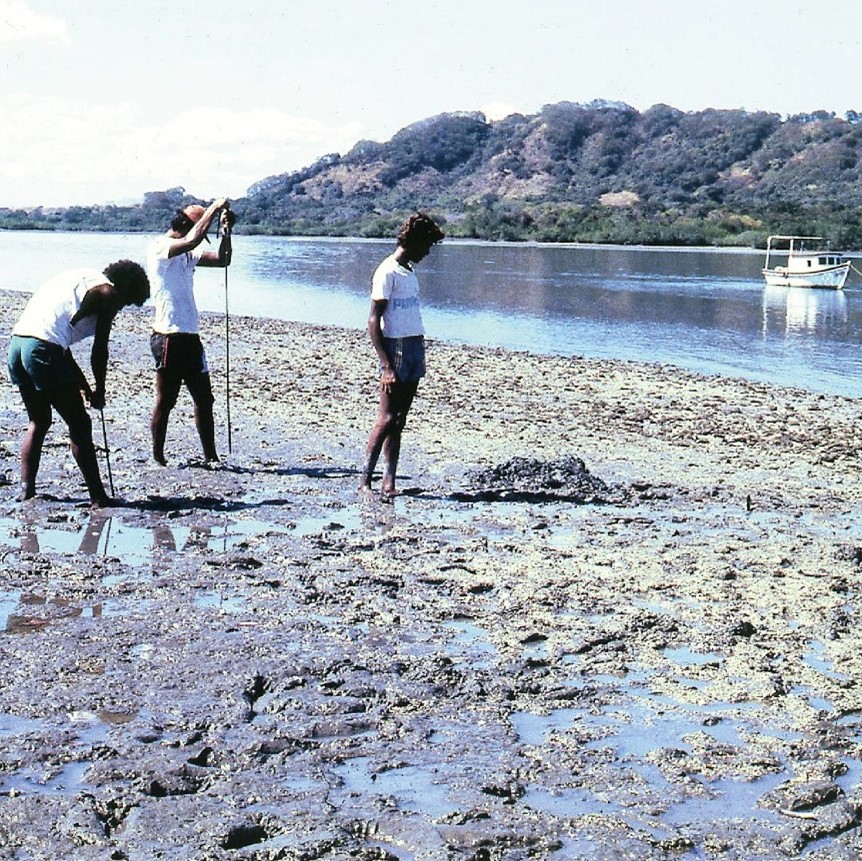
(523,479)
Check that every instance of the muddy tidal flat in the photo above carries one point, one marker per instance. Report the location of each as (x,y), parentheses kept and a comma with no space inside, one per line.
(614,614)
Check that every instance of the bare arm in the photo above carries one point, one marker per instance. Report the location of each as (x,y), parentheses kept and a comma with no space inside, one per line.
(225,251)
(375,331)
(222,258)
(196,235)
(99,358)
(103,303)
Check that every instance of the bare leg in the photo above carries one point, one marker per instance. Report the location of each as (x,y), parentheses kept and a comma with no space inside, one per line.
(167,391)
(376,439)
(200,389)
(391,453)
(70,405)
(385,436)
(39,412)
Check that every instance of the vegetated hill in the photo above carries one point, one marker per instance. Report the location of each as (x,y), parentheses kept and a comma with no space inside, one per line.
(601,172)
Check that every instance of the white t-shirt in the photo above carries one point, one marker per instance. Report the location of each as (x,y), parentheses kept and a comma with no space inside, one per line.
(399,286)
(49,312)
(172,284)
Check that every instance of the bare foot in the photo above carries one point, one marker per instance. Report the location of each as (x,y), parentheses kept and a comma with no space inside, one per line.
(105,502)
(201,464)
(388,493)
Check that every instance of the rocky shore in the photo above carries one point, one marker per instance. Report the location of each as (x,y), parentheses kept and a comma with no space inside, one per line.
(614,614)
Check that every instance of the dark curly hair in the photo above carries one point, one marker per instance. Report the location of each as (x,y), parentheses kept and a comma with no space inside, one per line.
(131,279)
(419,228)
(181,223)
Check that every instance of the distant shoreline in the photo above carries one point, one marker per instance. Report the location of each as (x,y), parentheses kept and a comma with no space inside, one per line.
(455,240)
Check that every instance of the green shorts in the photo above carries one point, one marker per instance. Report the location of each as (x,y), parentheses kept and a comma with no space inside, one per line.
(38,364)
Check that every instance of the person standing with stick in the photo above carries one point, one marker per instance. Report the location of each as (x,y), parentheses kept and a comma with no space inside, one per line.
(397,334)
(225,225)
(175,341)
(72,306)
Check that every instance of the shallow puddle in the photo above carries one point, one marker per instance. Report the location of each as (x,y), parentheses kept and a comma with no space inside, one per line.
(414,788)
(814,699)
(688,658)
(730,799)
(645,724)
(350,519)
(568,803)
(47,538)
(817,659)
(639,724)
(632,731)
(68,780)
(139,545)
(99,536)
(15,725)
(226,604)
(9,603)
(638,732)
(533,729)
(470,643)
(90,730)
(16,617)
(47,780)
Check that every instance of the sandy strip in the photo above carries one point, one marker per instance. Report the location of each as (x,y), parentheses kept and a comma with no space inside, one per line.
(255,662)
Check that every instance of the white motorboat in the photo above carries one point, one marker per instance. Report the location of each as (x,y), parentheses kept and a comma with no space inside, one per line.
(807,262)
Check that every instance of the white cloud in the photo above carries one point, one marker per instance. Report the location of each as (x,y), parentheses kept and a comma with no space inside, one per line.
(59,152)
(18,22)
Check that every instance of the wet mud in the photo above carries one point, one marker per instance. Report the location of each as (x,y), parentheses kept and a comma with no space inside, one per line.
(525,479)
(614,614)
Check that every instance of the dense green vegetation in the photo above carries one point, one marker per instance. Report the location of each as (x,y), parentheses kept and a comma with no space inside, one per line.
(601,172)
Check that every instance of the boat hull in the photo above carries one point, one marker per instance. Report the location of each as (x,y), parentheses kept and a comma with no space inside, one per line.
(830,278)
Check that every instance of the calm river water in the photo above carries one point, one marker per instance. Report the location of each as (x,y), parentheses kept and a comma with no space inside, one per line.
(702,310)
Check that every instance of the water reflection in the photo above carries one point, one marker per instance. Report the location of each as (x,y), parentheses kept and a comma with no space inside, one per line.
(100,535)
(796,310)
(29,612)
(106,535)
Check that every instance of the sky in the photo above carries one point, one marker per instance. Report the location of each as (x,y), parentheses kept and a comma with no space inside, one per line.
(104,100)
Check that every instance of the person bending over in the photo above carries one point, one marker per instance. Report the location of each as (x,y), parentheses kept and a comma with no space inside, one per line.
(175,340)
(396,331)
(72,306)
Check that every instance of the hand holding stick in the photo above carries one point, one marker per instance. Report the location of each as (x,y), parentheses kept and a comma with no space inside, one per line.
(227,219)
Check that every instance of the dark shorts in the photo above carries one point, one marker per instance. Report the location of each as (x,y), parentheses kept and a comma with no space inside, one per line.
(40,365)
(181,354)
(407,357)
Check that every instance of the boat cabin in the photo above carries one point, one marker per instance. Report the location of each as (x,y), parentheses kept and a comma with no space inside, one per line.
(806,262)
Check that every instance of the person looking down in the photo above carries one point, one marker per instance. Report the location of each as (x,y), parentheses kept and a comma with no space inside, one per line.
(70,307)
(397,334)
